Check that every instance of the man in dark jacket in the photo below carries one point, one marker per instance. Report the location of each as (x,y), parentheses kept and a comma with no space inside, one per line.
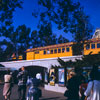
(73,87)
(22,79)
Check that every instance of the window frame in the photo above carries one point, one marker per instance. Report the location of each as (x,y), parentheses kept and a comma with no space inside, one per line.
(44,52)
(63,50)
(59,49)
(88,45)
(98,44)
(67,50)
(93,46)
(54,50)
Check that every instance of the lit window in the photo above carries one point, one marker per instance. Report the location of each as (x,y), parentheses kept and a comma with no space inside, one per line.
(59,50)
(98,45)
(63,50)
(87,46)
(55,51)
(44,52)
(51,51)
(67,49)
(48,51)
(92,46)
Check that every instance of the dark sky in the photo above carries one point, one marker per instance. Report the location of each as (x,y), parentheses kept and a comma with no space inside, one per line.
(24,16)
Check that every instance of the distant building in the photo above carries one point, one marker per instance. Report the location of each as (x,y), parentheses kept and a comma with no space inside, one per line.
(97,33)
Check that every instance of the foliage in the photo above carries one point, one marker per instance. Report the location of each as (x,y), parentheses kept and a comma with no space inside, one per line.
(78,64)
(7,7)
(61,62)
(6,53)
(34,39)
(20,39)
(62,39)
(46,36)
(91,60)
(82,27)
(77,48)
(69,16)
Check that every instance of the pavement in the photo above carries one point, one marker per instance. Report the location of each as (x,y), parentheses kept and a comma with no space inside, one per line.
(46,95)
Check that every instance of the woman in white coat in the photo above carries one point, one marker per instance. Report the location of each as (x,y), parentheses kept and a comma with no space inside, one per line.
(7,85)
(93,89)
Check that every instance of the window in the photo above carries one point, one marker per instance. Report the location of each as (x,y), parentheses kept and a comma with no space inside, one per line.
(36,52)
(44,52)
(87,46)
(63,50)
(55,51)
(92,46)
(67,49)
(59,50)
(48,51)
(51,51)
(98,45)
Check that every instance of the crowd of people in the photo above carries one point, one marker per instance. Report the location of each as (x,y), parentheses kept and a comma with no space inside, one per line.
(24,81)
(77,89)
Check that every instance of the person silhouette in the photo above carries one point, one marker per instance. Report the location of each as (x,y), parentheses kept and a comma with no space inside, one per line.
(73,87)
(93,89)
(34,93)
(7,85)
(22,79)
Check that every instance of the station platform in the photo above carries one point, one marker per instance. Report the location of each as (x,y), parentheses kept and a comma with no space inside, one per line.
(46,95)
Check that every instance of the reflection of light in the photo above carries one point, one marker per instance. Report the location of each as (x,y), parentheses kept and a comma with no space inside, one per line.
(61,75)
(62,71)
(84,72)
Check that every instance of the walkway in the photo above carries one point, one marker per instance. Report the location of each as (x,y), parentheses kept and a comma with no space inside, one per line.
(46,95)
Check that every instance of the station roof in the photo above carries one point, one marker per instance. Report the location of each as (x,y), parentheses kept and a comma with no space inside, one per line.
(51,46)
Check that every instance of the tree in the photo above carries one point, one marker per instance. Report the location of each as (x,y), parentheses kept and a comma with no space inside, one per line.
(91,59)
(81,32)
(66,14)
(6,50)
(82,27)
(34,39)
(20,39)
(46,37)
(7,7)
(86,61)
(69,16)
(62,39)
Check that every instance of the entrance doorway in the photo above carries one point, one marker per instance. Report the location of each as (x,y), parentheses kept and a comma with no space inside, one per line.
(33,70)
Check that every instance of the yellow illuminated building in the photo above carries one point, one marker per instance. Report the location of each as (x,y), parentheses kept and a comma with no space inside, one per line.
(64,49)
(58,50)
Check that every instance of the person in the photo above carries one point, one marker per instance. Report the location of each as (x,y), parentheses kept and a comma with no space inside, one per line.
(93,89)
(83,87)
(22,79)
(7,85)
(39,76)
(73,87)
(34,93)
